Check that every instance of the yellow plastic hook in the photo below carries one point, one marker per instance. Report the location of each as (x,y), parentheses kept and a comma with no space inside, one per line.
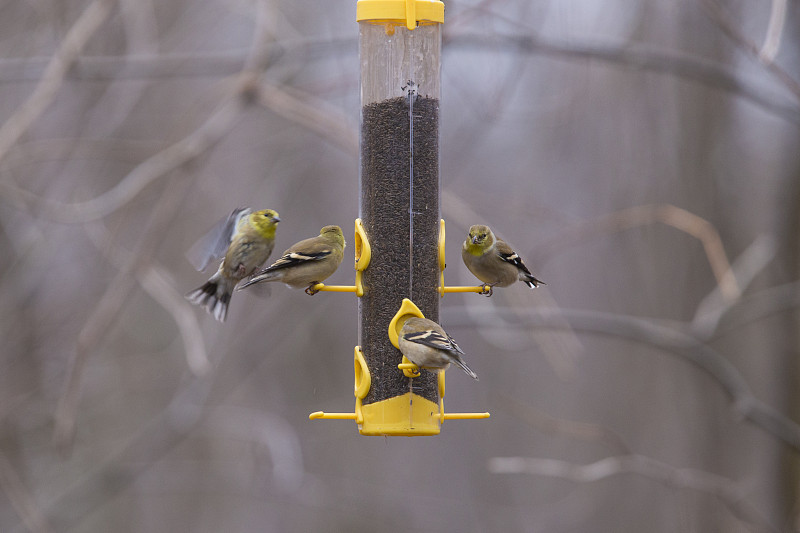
(407,310)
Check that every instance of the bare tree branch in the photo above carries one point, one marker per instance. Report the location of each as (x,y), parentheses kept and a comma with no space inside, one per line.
(761,304)
(726,490)
(668,214)
(311,113)
(68,51)
(743,403)
(640,57)
(726,22)
(21,498)
(714,306)
(108,308)
(110,304)
(772,40)
(154,280)
(165,430)
(559,349)
(585,431)
(193,145)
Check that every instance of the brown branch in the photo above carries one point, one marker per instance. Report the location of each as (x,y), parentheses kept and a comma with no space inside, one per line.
(311,113)
(109,307)
(44,93)
(21,498)
(638,57)
(116,294)
(725,490)
(670,215)
(154,280)
(728,26)
(176,155)
(673,341)
(713,307)
(584,431)
(559,350)
(772,40)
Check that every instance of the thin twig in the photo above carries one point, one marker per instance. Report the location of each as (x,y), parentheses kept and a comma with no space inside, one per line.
(639,57)
(560,348)
(102,482)
(760,305)
(772,40)
(108,308)
(676,342)
(311,113)
(193,145)
(44,93)
(726,490)
(641,215)
(713,307)
(585,431)
(21,499)
(154,280)
(727,24)
(158,166)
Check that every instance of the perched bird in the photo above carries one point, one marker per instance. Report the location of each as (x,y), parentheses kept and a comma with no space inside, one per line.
(493,261)
(244,241)
(427,345)
(307,262)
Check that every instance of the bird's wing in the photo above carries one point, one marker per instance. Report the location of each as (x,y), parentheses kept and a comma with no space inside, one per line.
(433,339)
(292,259)
(213,245)
(508,255)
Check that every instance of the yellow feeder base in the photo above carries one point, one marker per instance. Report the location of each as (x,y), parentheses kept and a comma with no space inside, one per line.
(408,415)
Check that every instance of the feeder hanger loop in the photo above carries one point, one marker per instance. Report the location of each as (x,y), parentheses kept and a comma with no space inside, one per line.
(407,12)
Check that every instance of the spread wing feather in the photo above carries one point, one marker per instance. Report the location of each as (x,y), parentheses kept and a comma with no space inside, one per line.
(213,245)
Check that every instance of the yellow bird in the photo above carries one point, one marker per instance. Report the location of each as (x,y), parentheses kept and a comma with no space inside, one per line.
(244,241)
(493,261)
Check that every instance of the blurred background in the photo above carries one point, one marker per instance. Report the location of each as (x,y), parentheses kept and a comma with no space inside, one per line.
(641,156)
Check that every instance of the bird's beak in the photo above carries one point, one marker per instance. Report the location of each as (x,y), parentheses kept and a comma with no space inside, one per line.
(276,219)
(475,239)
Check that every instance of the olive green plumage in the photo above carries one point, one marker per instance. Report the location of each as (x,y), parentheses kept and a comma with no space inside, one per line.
(244,242)
(307,262)
(493,261)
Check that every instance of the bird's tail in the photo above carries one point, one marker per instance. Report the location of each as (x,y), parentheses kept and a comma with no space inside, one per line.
(460,362)
(263,276)
(532,282)
(214,295)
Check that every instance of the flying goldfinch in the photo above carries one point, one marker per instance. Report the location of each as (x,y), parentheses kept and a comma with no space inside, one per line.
(427,345)
(244,241)
(493,261)
(307,262)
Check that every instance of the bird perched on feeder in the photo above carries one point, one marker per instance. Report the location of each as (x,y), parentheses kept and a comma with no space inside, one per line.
(427,345)
(307,262)
(244,241)
(493,261)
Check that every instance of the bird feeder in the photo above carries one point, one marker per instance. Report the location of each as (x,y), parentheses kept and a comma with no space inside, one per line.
(400,53)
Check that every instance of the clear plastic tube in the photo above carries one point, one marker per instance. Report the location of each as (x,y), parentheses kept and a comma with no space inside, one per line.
(399,183)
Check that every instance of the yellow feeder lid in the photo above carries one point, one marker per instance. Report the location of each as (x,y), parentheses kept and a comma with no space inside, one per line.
(407,12)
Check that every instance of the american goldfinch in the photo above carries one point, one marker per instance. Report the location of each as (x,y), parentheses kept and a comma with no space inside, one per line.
(493,261)
(427,345)
(244,241)
(307,262)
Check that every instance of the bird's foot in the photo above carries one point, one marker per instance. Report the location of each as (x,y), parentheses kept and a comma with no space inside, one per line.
(310,290)
(487,290)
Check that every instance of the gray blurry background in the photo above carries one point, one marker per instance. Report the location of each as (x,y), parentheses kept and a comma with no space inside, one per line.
(641,156)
